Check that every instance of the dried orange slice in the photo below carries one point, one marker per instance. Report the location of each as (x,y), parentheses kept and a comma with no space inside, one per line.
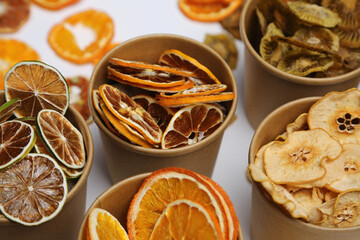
(126,110)
(186,100)
(191,124)
(63,140)
(106,50)
(38,86)
(83,36)
(16,141)
(11,52)
(102,225)
(185,219)
(7,109)
(208,12)
(146,73)
(33,190)
(54,4)
(178,59)
(163,187)
(199,90)
(161,115)
(13,14)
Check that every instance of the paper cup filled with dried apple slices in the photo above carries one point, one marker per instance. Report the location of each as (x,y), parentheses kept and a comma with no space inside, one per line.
(46,156)
(295,49)
(205,210)
(304,162)
(161,100)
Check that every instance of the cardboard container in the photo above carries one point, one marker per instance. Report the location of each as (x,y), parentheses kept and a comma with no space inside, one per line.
(117,199)
(268,221)
(66,224)
(125,159)
(266,87)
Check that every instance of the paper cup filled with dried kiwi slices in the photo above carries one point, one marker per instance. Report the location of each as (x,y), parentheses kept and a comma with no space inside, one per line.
(46,154)
(296,49)
(305,167)
(161,100)
(184,205)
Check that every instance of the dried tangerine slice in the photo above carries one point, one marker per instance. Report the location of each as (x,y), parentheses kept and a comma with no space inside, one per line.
(66,41)
(198,90)
(299,159)
(161,115)
(63,140)
(16,141)
(126,110)
(103,225)
(347,209)
(33,190)
(13,14)
(185,219)
(163,187)
(180,60)
(208,12)
(187,100)
(7,109)
(38,86)
(338,113)
(11,52)
(191,124)
(54,4)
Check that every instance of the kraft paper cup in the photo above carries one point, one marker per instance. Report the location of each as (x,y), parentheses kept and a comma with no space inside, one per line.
(117,199)
(268,221)
(66,224)
(125,159)
(266,87)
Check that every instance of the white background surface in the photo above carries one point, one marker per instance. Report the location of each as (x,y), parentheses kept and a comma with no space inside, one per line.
(134,18)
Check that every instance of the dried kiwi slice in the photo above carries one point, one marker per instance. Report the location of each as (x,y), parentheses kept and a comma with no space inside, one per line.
(314,14)
(349,38)
(318,37)
(262,20)
(232,22)
(302,63)
(348,11)
(270,50)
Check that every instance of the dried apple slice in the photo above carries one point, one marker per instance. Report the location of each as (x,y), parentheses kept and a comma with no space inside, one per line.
(308,198)
(299,124)
(338,114)
(300,158)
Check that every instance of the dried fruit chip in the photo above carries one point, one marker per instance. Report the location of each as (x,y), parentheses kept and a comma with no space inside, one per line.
(224,45)
(105,51)
(191,124)
(262,21)
(299,124)
(320,215)
(232,22)
(13,14)
(7,109)
(33,190)
(126,110)
(319,37)
(349,38)
(338,113)
(38,86)
(308,198)
(198,90)
(103,225)
(347,10)
(185,219)
(300,158)
(67,37)
(347,209)
(187,100)
(302,63)
(314,14)
(54,4)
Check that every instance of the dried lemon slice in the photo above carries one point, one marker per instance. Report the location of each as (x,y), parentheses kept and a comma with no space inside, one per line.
(338,113)
(347,209)
(300,158)
(349,169)
(314,14)
(33,190)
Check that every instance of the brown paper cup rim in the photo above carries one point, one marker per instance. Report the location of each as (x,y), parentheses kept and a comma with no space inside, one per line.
(252,153)
(283,75)
(174,151)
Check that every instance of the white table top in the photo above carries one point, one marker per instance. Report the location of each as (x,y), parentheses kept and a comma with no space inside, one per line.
(134,18)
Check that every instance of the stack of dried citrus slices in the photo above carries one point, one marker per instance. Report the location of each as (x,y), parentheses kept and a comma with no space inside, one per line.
(39,147)
(180,114)
(172,203)
(313,169)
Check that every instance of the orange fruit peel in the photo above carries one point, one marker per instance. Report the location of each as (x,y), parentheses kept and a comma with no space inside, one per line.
(187,100)
(54,4)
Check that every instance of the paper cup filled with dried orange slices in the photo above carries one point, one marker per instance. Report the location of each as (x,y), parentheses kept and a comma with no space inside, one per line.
(160,101)
(304,162)
(296,49)
(176,203)
(46,154)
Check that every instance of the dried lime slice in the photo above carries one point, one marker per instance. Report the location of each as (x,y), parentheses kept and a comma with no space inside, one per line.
(338,114)
(33,190)
(63,140)
(300,158)
(8,108)
(16,141)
